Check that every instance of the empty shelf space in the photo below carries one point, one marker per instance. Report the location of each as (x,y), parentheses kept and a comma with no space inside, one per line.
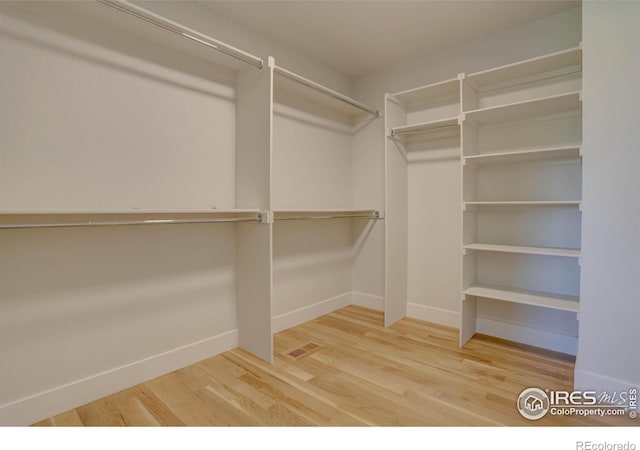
(424,94)
(526,297)
(544,251)
(567,153)
(313,214)
(543,64)
(424,127)
(318,94)
(512,112)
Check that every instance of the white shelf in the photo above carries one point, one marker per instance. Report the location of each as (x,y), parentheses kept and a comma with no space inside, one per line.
(525,297)
(524,110)
(424,127)
(547,63)
(545,251)
(542,154)
(423,94)
(67,219)
(560,203)
(288,214)
(214,212)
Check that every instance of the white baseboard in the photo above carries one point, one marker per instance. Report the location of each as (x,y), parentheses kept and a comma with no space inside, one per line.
(531,336)
(434,315)
(589,381)
(302,315)
(42,405)
(368,301)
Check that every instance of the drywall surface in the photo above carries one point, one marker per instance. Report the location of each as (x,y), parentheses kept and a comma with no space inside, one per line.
(610,310)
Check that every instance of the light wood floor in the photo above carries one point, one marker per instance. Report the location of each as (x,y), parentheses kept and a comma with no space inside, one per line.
(360,373)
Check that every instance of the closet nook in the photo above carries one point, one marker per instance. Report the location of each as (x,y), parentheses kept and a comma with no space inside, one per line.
(516,130)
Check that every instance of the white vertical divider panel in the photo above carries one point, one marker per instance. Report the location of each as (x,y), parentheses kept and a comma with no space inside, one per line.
(468,306)
(254,247)
(468,141)
(254,242)
(396,217)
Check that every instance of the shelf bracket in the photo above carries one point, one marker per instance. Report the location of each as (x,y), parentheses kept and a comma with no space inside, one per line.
(266,216)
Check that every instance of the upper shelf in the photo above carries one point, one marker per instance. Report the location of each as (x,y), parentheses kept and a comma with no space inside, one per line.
(424,127)
(524,110)
(527,203)
(543,64)
(566,153)
(544,251)
(314,214)
(132,211)
(64,219)
(319,94)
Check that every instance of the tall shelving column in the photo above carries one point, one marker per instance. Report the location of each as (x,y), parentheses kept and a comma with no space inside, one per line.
(422,125)
(521,174)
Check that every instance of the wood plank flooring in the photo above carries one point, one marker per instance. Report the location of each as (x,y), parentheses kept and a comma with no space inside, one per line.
(354,373)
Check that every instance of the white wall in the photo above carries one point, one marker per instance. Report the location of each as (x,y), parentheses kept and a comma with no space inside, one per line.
(434,177)
(610,306)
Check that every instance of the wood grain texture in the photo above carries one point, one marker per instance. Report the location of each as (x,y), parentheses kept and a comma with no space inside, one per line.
(412,373)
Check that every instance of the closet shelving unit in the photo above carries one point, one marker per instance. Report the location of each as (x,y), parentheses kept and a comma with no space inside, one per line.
(421,124)
(521,189)
(515,131)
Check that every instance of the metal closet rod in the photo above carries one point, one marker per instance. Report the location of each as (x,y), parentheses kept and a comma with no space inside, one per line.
(109,223)
(373,215)
(325,90)
(174,27)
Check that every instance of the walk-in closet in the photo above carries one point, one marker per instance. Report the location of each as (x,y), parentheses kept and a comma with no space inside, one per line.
(180,181)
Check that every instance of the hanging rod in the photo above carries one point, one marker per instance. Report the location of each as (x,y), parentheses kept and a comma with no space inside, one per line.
(169,25)
(325,90)
(257,218)
(373,215)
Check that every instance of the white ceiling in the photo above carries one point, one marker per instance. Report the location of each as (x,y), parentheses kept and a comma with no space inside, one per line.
(360,37)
